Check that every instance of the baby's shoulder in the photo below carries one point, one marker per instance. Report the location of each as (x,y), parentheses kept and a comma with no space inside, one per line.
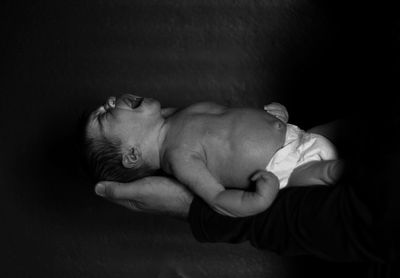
(206,107)
(179,157)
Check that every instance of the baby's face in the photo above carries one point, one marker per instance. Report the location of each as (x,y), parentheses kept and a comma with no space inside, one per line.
(127,118)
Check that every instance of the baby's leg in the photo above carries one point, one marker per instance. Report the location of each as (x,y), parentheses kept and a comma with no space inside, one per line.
(325,172)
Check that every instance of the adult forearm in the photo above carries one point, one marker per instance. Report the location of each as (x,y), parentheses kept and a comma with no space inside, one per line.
(328,222)
(320,221)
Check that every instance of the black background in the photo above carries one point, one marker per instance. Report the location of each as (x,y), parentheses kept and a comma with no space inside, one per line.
(321,59)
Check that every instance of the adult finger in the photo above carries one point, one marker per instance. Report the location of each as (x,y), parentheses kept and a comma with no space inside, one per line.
(130,204)
(115,190)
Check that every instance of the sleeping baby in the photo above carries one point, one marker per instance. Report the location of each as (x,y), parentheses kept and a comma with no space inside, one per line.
(207,147)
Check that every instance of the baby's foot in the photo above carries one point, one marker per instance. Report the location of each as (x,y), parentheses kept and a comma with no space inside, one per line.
(277,110)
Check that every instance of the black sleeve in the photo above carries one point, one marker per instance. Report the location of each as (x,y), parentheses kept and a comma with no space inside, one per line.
(328,222)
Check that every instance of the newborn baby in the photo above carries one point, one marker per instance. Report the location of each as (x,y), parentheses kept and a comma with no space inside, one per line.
(207,146)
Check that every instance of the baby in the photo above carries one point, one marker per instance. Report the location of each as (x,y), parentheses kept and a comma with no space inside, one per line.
(207,146)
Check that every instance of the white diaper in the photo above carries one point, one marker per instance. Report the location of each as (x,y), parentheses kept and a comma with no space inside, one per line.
(299,148)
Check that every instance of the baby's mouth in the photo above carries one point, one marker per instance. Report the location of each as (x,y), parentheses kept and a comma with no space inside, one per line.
(133,101)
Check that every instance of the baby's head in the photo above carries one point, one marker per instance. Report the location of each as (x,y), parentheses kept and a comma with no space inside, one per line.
(122,138)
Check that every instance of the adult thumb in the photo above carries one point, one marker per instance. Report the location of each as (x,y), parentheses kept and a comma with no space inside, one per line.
(110,190)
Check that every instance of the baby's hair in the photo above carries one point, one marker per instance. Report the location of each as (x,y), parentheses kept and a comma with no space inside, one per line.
(102,158)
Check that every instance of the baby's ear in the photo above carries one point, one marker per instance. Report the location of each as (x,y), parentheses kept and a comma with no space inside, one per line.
(132,158)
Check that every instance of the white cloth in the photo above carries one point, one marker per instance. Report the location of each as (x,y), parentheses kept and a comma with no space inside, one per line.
(299,148)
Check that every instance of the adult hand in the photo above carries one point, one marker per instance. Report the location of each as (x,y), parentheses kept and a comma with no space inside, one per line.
(156,194)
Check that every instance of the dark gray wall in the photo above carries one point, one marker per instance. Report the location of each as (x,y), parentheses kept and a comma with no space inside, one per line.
(64,57)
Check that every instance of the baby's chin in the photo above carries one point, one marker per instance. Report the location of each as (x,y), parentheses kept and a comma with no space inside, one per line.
(153,103)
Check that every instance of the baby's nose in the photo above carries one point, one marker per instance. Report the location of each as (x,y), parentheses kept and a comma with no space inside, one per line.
(110,103)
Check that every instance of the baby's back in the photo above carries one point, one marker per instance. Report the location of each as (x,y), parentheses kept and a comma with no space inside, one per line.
(234,143)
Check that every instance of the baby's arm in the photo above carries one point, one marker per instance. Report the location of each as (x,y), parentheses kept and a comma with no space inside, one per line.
(191,170)
(325,172)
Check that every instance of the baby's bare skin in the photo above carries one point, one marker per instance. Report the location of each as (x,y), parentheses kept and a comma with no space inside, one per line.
(233,143)
(206,147)
(209,146)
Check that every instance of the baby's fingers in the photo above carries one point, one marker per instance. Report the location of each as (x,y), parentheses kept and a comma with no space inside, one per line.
(267,186)
(262,174)
(256,176)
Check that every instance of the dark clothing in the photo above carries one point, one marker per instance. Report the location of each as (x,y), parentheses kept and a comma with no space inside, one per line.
(355,220)
(326,222)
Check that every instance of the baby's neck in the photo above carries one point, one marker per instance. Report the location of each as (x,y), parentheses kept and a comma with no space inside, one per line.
(167,112)
(162,134)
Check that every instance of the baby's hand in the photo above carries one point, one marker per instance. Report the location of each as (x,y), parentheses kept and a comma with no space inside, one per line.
(266,183)
(241,203)
(277,110)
